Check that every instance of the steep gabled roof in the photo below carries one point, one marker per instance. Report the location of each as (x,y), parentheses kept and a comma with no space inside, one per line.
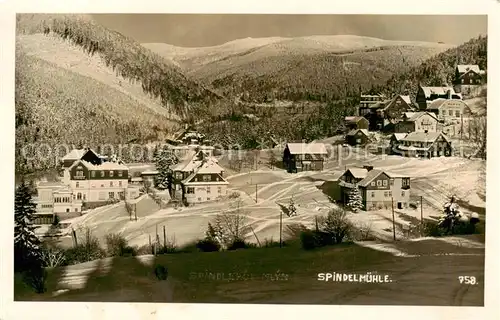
(438,103)
(75,154)
(307,148)
(416,115)
(358,173)
(464,68)
(353,119)
(393,100)
(103,166)
(396,175)
(399,136)
(355,131)
(372,174)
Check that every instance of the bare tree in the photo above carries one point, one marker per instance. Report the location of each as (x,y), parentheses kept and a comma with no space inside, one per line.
(230,225)
(336,225)
(52,256)
(478,139)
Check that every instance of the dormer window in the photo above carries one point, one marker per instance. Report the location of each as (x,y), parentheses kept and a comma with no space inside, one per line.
(92,174)
(102,174)
(120,173)
(111,174)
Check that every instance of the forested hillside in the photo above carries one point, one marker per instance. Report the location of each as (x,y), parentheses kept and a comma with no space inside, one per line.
(439,69)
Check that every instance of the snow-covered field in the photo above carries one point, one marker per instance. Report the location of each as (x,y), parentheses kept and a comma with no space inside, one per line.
(433,179)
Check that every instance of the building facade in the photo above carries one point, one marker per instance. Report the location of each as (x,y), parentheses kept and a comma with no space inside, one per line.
(422,144)
(417,122)
(352,123)
(469,79)
(206,183)
(379,189)
(299,157)
(450,111)
(357,137)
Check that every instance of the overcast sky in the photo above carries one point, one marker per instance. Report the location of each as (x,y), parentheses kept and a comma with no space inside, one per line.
(197,30)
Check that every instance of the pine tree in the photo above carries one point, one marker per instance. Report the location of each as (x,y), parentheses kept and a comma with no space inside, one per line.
(355,200)
(26,244)
(164,160)
(292,210)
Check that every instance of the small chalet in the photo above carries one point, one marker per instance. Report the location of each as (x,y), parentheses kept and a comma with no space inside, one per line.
(468,77)
(379,189)
(354,122)
(424,144)
(357,137)
(149,177)
(417,122)
(450,111)
(205,183)
(395,141)
(304,156)
(425,95)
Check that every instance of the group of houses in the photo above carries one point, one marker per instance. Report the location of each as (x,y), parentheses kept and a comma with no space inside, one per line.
(88,180)
(418,128)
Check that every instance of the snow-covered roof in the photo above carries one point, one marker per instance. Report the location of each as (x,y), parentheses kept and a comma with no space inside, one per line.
(75,154)
(370,176)
(358,173)
(406,99)
(439,103)
(49,184)
(396,175)
(463,68)
(103,166)
(399,136)
(210,167)
(353,119)
(355,131)
(414,116)
(149,172)
(428,91)
(307,148)
(424,136)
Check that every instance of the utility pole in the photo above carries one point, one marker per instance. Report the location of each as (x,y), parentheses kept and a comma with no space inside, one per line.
(393,222)
(421,210)
(462,127)
(255,193)
(281,226)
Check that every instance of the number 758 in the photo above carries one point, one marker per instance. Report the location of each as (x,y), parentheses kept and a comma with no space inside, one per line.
(467,280)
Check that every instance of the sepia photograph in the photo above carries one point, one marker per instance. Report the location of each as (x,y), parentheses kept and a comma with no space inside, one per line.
(312,159)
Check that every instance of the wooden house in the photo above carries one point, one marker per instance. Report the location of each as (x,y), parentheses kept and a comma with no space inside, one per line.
(379,189)
(417,122)
(425,144)
(86,154)
(468,79)
(205,183)
(299,157)
(395,141)
(356,122)
(425,95)
(357,137)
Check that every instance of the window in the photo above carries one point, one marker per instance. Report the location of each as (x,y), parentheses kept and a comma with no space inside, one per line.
(111,183)
(79,173)
(119,183)
(199,199)
(358,140)
(111,195)
(384,183)
(190,190)
(92,174)
(450,112)
(120,173)
(379,183)
(76,209)
(391,182)
(219,189)
(102,174)
(121,195)
(67,209)
(208,189)
(463,81)
(390,193)
(206,177)
(111,174)
(217,179)
(78,184)
(457,113)
(373,194)
(79,196)
(208,199)
(84,196)
(373,184)
(102,185)
(402,193)
(386,194)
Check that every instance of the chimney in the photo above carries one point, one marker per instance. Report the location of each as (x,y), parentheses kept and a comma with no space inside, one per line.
(368,167)
(449,94)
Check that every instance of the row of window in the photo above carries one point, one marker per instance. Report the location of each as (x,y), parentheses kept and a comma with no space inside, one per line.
(206,178)
(120,173)
(62,199)
(111,184)
(388,194)
(112,195)
(46,206)
(450,113)
(381,183)
(190,190)
(471,81)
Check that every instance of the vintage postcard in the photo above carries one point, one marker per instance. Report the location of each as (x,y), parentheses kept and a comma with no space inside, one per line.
(233,158)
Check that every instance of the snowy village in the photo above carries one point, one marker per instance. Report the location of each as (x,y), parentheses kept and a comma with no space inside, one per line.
(384,176)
